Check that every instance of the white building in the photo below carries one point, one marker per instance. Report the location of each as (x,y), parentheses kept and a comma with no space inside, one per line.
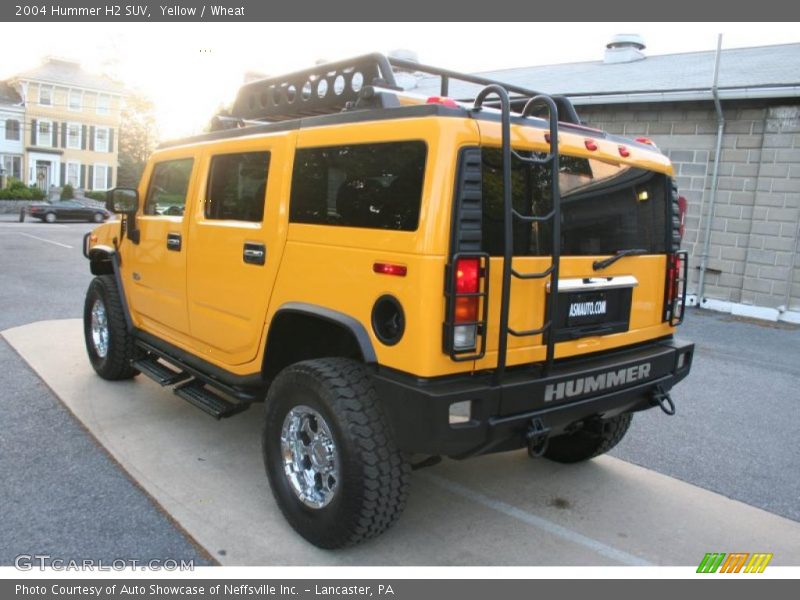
(12,122)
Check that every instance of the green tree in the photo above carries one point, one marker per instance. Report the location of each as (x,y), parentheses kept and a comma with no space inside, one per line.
(138,135)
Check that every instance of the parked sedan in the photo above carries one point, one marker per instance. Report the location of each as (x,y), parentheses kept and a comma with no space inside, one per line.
(67,210)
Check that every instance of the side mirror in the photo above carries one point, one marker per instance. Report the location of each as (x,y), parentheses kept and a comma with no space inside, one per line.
(122,200)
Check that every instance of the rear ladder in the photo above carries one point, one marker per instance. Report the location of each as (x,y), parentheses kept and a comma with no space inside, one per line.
(510,213)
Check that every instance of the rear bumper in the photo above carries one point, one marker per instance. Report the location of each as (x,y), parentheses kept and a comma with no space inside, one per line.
(499,416)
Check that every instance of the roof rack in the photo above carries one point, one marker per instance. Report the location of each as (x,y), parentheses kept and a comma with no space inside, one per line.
(354,83)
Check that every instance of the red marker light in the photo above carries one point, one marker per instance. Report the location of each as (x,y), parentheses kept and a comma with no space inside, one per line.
(624,152)
(390,269)
(645,140)
(590,144)
(443,100)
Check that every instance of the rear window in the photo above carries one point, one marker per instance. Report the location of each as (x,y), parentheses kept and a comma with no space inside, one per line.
(237,184)
(376,186)
(605,207)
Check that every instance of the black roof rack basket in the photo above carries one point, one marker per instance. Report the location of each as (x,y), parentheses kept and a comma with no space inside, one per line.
(333,87)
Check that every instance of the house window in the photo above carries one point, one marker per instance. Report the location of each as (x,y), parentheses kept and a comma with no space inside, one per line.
(100,177)
(101,139)
(12,165)
(74,174)
(45,95)
(103,103)
(75,100)
(44,137)
(12,129)
(74,136)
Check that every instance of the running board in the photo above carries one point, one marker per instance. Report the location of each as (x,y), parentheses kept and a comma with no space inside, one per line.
(196,393)
(159,372)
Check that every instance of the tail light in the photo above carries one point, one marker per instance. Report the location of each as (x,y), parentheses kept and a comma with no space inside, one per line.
(682,205)
(675,288)
(466,308)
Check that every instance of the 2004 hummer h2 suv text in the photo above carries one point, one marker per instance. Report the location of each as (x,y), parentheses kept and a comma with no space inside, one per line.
(400,278)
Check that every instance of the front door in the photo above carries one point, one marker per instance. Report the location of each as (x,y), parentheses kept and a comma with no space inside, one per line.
(237,238)
(43,175)
(156,266)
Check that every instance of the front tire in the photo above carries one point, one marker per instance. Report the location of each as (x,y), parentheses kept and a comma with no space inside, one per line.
(109,344)
(97,218)
(593,439)
(332,464)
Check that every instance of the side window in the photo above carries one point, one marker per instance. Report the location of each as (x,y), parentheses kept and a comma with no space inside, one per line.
(376,186)
(237,185)
(169,182)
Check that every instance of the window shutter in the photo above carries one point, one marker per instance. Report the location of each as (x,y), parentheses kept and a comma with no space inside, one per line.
(109,176)
(34,131)
(83,137)
(63,168)
(82,182)
(91,178)
(91,137)
(64,135)
(110,140)
(54,134)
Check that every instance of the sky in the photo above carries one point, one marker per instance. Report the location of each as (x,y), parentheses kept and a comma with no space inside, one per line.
(190,69)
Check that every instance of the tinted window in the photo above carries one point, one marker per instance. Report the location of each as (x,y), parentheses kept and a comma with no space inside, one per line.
(378,186)
(168,185)
(237,185)
(604,207)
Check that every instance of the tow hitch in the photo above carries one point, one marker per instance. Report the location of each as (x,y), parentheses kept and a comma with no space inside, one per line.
(664,401)
(537,437)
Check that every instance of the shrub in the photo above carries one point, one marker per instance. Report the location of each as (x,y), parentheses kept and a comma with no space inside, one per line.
(67,192)
(101,196)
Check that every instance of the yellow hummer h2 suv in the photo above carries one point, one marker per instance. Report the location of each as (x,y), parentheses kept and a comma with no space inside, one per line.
(399,278)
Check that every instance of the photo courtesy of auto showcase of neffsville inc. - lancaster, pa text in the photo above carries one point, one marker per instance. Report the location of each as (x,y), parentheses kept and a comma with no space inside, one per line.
(346,309)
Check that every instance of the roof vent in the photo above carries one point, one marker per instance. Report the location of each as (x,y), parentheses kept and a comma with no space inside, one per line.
(623,48)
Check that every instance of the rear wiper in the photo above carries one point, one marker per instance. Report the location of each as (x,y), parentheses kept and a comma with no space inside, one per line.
(607,262)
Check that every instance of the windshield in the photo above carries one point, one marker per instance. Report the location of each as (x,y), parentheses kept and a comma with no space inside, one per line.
(605,207)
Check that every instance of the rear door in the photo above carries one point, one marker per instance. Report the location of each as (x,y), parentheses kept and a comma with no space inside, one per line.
(237,235)
(607,206)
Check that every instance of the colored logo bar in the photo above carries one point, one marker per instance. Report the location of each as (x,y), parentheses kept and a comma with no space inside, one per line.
(736,562)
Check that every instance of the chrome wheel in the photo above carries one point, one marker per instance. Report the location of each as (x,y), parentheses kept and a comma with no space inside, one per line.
(99,325)
(310,457)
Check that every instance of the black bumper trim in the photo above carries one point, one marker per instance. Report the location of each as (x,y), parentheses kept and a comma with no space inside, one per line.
(617,382)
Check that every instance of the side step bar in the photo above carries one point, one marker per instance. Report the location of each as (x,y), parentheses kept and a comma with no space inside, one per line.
(196,393)
(196,390)
(159,372)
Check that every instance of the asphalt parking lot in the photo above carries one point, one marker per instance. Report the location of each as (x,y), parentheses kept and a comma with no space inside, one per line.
(734,434)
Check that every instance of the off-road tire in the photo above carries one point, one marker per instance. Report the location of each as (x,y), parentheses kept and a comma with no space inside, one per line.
(116,364)
(374,474)
(594,439)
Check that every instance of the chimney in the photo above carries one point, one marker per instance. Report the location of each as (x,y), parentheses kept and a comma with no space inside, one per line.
(624,48)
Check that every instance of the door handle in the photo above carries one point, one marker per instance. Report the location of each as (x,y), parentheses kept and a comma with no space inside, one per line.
(174,242)
(254,253)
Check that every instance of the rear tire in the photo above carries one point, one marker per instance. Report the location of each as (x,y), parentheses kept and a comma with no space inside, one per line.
(332,464)
(50,217)
(109,344)
(595,438)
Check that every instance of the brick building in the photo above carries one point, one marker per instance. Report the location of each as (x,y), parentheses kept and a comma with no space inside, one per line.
(753,267)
